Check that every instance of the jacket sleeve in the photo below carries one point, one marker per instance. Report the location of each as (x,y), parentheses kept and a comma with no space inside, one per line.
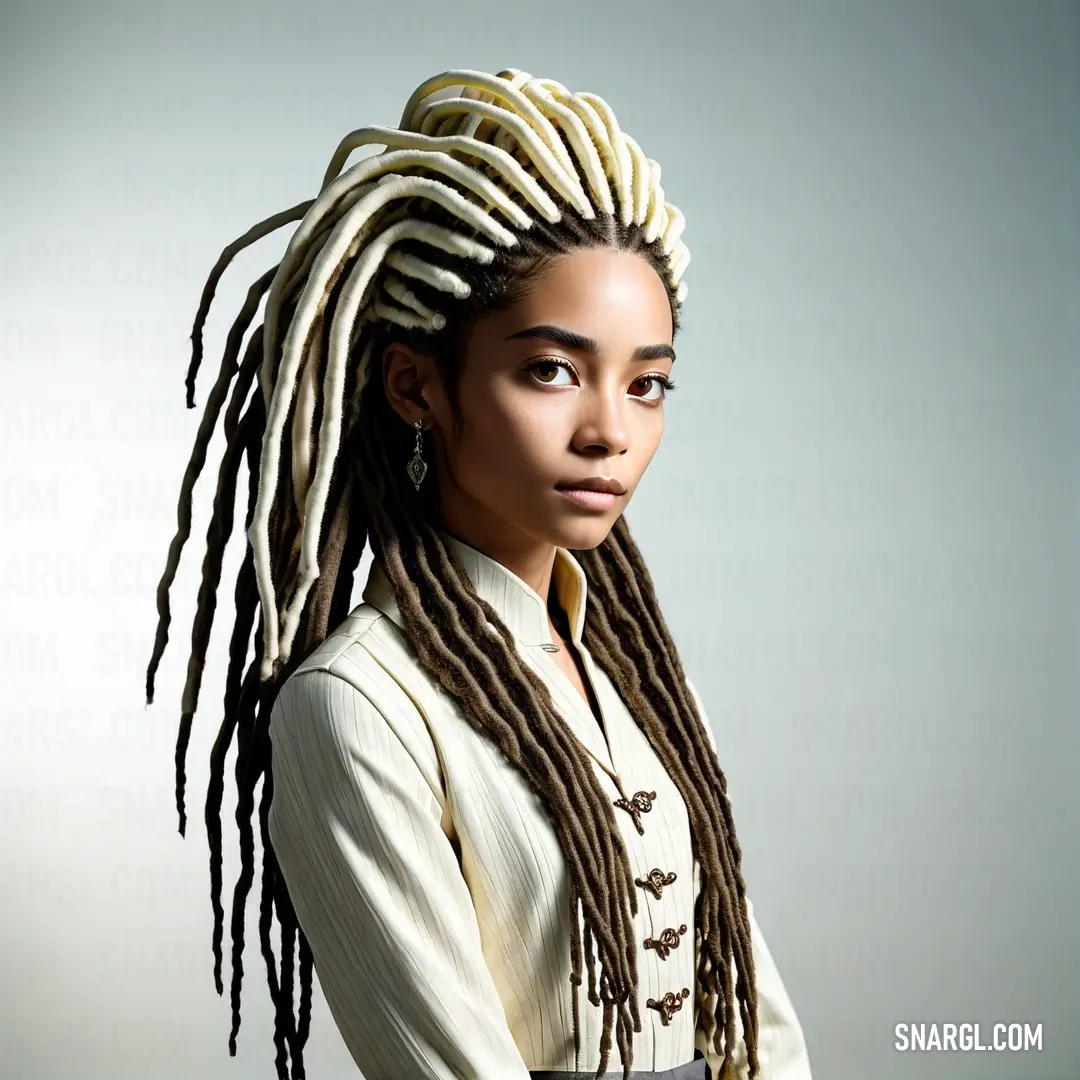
(782,1051)
(375,881)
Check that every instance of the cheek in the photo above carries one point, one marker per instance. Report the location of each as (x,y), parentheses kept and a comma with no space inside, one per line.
(655,432)
(509,435)
(646,440)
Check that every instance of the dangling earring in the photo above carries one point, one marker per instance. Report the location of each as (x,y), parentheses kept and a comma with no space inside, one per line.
(417,467)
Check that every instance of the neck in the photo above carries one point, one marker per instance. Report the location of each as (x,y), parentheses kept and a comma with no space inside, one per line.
(530,559)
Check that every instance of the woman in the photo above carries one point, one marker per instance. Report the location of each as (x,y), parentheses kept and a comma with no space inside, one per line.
(491,781)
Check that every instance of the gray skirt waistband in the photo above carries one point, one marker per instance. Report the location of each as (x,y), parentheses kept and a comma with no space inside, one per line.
(697,1069)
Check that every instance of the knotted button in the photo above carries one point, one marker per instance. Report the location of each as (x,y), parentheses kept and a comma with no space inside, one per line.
(668,1004)
(656,881)
(667,941)
(640,804)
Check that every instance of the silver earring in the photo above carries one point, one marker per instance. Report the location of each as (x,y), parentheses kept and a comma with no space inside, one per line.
(417,467)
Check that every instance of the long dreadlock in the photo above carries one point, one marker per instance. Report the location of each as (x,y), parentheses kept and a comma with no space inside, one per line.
(404,246)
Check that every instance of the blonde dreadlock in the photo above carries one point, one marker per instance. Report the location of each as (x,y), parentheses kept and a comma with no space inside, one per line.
(411,244)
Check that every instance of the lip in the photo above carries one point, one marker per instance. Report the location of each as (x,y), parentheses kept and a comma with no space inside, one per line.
(591,500)
(592,493)
(594,483)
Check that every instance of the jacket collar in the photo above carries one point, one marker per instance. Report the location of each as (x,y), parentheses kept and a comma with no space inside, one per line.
(519,606)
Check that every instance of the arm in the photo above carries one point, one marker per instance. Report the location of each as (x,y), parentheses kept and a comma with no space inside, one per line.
(781,1045)
(378,891)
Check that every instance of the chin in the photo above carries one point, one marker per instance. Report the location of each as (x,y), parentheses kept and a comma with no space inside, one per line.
(584,534)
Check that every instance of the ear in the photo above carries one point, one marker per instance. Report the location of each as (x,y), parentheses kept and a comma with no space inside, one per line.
(407,374)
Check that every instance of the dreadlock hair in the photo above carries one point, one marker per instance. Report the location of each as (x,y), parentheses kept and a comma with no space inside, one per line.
(472,197)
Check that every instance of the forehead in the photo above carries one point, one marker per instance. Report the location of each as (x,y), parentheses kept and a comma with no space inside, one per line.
(614,296)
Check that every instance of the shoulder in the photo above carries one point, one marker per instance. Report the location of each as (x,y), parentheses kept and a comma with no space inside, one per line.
(365,650)
(340,667)
(361,622)
(352,695)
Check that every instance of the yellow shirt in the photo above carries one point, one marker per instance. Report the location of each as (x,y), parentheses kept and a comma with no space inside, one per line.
(429,881)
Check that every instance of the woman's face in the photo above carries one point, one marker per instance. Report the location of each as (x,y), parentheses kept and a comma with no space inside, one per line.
(565,386)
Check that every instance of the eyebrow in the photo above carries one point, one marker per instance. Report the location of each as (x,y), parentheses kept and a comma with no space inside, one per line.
(570,339)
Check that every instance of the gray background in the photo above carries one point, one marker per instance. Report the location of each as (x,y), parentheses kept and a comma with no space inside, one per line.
(862,523)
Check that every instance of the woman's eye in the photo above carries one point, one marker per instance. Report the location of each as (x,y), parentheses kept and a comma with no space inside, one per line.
(551,373)
(654,387)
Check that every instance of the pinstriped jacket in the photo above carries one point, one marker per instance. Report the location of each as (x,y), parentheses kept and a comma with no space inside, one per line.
(428,879)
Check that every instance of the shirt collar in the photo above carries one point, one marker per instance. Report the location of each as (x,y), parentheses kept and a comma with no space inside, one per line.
(519,606)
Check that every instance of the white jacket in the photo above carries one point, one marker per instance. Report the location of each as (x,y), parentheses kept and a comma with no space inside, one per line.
(429,881)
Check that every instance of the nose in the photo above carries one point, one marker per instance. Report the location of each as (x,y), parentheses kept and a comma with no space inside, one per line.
(603,429)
